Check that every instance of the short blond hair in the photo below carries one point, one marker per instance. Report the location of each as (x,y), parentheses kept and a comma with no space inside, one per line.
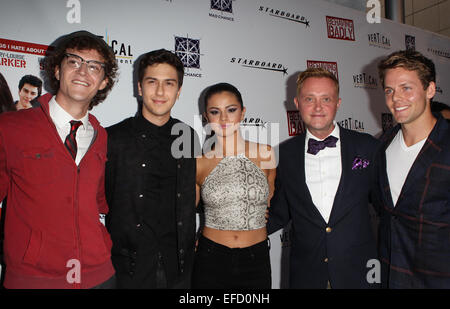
(316,72)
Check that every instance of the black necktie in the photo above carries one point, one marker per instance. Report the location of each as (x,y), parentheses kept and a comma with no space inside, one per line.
(70,142)
(314,146)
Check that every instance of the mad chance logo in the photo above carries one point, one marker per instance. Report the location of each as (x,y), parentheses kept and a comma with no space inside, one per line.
(222,5)
(188,50)
(225,7)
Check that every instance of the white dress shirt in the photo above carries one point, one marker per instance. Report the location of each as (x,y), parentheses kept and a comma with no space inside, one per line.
(61,119)
(399,159)
(323,174)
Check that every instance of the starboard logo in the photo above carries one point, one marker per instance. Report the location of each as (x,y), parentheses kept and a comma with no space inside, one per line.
(327,65)
(224,6)
(188,50)
(295,123)
(254,122)
(352,124)
(121,50)
(410,42)
(340,28)
(290,16)
(439,90)
(379,40)
(364,80)
(438,52)
(260,64)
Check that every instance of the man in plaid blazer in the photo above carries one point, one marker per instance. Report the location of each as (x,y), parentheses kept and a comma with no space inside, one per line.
(413,178)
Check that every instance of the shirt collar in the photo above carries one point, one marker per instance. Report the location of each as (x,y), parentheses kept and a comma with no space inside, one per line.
(335,133)
(146,126)
(61,118)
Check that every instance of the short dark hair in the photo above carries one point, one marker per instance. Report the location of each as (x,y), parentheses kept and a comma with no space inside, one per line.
(412,61)
(161,56)
(221,87)
(82,40)
(33,81)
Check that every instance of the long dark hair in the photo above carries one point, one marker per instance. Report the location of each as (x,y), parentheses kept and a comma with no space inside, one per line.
(210,139)
(221,87)
(6,99)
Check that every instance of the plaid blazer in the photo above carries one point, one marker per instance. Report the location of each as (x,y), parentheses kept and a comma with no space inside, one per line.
(414,236)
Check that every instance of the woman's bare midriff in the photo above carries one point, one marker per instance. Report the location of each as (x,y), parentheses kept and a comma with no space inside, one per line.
(235,239)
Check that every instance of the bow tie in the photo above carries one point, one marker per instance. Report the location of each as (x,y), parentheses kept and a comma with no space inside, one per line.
(314,146)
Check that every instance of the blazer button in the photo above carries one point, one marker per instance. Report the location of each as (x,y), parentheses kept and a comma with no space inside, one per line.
(328,229)
(326,260)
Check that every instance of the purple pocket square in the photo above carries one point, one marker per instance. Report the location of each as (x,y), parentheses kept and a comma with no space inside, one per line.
(359,163)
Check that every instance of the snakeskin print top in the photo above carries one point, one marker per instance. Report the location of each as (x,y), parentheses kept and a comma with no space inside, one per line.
(235,195)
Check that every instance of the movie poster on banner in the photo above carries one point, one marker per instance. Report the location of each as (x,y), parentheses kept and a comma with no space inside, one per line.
(17,59)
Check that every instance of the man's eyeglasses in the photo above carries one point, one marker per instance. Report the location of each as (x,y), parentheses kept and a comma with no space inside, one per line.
(75,62)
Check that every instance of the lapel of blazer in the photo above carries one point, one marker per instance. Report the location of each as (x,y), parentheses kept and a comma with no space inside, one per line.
(423,160)
(346,167)
(384,187)
(310,210)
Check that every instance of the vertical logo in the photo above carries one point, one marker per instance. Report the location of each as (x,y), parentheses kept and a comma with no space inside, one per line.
(121,50)
(340,28)
(365,80)
(410,42)
(380,40)
(352,124)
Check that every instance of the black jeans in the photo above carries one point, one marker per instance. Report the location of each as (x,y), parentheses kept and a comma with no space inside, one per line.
(219,267)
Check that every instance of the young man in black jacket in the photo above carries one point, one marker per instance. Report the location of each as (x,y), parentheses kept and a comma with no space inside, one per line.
(150,183)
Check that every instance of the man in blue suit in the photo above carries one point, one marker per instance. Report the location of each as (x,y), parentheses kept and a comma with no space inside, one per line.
(323,187)
(413,178)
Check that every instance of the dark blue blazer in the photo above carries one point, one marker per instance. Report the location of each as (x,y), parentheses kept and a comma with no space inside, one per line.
(414,236)
(337,252)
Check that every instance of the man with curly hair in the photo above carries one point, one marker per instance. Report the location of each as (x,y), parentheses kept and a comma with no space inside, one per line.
(52,167)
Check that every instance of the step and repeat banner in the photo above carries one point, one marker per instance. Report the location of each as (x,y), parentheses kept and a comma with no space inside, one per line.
(259,46)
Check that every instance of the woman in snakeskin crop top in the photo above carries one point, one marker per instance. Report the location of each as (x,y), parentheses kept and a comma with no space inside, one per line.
(235,181)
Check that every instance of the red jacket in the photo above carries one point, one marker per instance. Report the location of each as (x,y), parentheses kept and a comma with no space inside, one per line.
(53,236)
